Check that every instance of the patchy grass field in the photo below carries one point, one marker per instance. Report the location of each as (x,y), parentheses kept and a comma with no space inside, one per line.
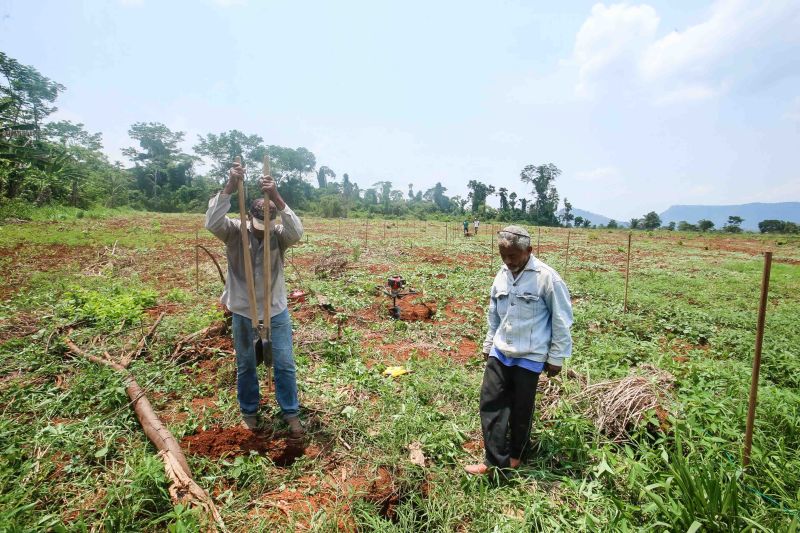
(73,456)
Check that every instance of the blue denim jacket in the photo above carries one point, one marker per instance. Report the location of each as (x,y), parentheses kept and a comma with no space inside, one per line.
(530,316)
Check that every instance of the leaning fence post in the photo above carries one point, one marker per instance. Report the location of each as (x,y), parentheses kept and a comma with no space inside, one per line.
(566,257)
(627,275)
(762,313)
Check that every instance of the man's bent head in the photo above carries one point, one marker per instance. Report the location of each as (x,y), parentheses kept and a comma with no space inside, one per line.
(514,244)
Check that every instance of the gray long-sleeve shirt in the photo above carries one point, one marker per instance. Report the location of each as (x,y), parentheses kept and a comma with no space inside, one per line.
(285,234)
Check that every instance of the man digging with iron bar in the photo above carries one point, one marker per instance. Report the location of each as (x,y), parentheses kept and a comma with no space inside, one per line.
(235,296)
(529,319)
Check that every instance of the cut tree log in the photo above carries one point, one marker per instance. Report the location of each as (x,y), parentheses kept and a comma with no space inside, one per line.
(183,489)
(153,428)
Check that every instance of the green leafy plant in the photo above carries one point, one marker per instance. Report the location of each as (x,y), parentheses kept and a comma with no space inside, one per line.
(106,307)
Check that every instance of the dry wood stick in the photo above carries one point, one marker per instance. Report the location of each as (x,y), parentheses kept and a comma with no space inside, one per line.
(220,327)
(566,256)
(214,259)
(762,314)
(127,358)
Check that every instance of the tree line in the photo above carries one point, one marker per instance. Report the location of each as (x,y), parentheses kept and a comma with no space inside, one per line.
(59,162)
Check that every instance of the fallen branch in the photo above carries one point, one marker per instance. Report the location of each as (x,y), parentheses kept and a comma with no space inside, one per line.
(127,358)
(215,330)
(153,428)
(183,489)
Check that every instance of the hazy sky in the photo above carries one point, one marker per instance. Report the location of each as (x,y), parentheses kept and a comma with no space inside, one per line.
(641,105)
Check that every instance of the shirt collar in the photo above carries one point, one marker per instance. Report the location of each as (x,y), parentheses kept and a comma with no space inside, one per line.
(532,264)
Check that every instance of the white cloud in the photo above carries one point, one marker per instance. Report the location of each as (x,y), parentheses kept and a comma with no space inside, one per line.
(610,40)
(617,49)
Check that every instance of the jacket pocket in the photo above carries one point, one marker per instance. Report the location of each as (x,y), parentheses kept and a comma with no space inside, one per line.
(527,307)
(528,299)
(501,297)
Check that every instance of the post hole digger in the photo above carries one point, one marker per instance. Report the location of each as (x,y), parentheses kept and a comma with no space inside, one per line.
(263,343)
(261,326)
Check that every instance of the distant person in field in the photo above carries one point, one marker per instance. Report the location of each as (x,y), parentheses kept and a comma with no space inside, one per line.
(285,233)
(475,224)
(529,317)
(466,227)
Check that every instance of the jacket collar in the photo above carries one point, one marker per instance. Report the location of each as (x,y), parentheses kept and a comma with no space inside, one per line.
(532,264)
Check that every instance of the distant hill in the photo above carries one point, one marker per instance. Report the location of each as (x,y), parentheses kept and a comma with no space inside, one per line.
(594,217)
(718,214)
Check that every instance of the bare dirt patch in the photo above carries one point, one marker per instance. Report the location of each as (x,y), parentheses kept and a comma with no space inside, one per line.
(333,493)
(218,442)
(412,309)
(467,350)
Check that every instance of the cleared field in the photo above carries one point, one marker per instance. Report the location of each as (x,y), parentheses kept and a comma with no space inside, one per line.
(73,455)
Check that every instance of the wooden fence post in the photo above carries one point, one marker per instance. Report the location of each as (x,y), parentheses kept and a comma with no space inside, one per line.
(491,252)
(538,239)
(762,313)
(627,275)
(566,257)
(196,261)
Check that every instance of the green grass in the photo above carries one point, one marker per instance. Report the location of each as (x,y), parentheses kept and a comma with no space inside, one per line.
(73,456)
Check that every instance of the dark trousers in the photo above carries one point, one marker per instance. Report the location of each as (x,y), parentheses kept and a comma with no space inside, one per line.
(507,401)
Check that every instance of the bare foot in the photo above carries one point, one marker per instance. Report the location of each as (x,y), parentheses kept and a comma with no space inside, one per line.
(479,469)
(514,463)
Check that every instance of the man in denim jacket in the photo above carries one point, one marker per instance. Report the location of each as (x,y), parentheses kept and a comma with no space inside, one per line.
(529,319)
(234,297)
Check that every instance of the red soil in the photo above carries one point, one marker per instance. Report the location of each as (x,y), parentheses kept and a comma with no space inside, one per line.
(412,310)
(467,350)
(219,442)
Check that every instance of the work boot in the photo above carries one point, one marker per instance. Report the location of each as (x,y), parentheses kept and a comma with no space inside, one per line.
(250,422)
(296,431)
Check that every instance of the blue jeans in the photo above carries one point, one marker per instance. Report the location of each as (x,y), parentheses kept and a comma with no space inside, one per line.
(247,390)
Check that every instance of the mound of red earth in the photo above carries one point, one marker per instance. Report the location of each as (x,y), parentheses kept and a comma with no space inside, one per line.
(411,309)
(219,442)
